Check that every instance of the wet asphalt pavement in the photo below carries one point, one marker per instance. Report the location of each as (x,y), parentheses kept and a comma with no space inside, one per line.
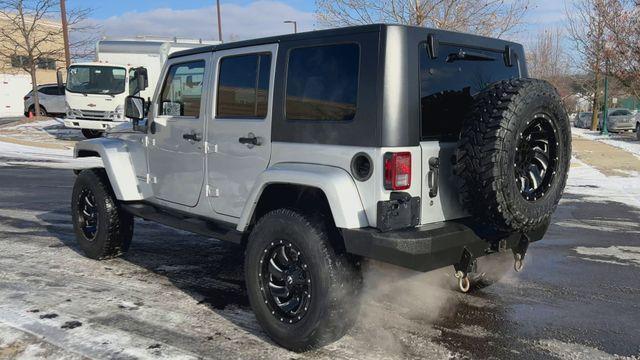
(176,294)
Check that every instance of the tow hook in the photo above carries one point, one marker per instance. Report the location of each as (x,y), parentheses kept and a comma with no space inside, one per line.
(463,268)
(463,281)
(518,253)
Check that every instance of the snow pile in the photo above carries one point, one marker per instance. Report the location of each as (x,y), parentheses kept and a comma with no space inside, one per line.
(626,142)
(595,186)
(14,154)
(622,255)
(50,130)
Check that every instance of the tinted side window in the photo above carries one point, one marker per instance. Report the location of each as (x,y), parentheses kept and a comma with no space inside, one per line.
(182,90)
(49,90)
(322,82)
(449,82)
(243,86)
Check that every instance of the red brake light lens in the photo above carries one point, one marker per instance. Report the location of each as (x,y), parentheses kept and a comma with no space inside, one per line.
(397,171)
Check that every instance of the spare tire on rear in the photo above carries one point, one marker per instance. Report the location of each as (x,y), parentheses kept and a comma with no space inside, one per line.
(513,154)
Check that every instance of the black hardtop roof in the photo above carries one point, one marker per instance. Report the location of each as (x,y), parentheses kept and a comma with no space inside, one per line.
(448,37)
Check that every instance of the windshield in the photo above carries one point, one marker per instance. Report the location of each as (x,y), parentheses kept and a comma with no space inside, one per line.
(89,79)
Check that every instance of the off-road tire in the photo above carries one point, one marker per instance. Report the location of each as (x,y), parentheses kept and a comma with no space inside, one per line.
(335,280)
(114,225)
(91,134)
(486,154)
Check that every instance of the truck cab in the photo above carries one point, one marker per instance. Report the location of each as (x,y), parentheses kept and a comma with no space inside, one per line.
(96,90)
(95,94)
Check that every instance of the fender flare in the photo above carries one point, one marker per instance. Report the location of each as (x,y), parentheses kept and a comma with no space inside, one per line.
(336,183)
(117,163)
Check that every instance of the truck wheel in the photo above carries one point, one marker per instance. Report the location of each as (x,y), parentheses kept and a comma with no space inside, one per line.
(91,134)
(513,154)
(43,111)
(102,228)
(303,291)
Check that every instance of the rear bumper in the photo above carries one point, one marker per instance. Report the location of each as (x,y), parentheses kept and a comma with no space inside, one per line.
(431,246)
(621,127)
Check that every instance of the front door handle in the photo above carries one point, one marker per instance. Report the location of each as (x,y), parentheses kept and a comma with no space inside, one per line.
(192,137)
(251,140)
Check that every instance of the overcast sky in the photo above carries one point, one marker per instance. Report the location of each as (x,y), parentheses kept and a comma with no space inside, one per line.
(243,19)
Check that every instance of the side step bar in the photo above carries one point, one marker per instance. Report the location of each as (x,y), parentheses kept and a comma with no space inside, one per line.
(213,229)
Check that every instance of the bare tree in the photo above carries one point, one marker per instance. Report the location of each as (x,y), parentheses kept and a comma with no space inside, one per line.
(623,25)
(586,27)
(485,17)
(31,36)
(547,59)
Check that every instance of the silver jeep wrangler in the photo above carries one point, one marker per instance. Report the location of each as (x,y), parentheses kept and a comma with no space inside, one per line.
(412,146)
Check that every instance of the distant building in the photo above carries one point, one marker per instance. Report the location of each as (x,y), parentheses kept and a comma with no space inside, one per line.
(15,83)
(46,67)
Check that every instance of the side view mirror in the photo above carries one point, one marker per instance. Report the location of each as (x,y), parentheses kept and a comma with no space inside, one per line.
(134,107)
(143,80)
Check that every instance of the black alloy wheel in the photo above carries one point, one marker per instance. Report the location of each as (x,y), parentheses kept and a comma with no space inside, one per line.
(285,282)
(536,158)
(88,214)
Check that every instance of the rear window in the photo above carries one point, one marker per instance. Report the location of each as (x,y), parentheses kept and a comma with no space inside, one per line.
(449,82)
(243,87)
(51,90)
(621,112)
(322,82)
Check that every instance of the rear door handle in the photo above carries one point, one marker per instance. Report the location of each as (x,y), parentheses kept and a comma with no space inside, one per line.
(432,177)
(251,140)
(192,137)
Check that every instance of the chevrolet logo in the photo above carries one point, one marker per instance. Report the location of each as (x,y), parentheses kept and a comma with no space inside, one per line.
(91,105)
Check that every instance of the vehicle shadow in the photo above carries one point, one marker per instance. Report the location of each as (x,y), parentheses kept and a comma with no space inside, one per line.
(208,270)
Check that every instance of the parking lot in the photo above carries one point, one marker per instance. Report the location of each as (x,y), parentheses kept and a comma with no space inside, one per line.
(178,295)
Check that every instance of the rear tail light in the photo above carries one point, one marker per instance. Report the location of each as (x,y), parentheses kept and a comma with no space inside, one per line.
(397,171)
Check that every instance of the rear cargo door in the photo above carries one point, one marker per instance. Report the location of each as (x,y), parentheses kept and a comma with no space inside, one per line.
(440,200)
(448,83)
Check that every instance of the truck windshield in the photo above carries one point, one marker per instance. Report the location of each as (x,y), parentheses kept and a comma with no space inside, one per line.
(90,79)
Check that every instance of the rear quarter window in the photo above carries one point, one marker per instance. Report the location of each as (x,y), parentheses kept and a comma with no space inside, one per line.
(449,82)
(322,82)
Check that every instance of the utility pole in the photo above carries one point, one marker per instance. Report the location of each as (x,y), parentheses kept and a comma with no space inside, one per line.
(604,130)
(295,25)
(65,33)
(219,21)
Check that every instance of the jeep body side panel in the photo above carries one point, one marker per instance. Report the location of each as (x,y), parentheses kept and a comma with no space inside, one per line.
(369,191)
(336,184)
(116,154)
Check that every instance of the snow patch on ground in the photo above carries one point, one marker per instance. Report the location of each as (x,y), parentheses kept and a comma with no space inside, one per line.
(15,154)
(622,141)
(586,181)
(571,351)
(47,131)
(619,255)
